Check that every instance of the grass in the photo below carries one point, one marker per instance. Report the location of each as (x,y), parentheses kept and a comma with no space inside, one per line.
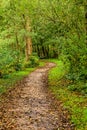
(42,63)
(75,104)
(11,79)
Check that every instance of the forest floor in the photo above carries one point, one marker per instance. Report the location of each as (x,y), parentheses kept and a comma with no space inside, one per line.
(31,106)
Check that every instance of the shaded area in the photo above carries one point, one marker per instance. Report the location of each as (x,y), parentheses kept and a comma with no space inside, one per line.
(30,106)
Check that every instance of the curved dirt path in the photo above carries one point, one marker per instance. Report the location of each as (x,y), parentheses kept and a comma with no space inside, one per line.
(30,106)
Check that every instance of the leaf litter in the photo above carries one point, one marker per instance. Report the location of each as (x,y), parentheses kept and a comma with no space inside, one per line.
(31,106)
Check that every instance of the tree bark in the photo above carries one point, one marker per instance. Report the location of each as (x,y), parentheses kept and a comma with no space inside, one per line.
(28,46)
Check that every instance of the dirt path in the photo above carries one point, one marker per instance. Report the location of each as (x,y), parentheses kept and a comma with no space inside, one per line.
(30,106)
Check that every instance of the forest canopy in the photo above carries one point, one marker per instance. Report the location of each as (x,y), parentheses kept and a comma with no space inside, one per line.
(49,33)
(44,28)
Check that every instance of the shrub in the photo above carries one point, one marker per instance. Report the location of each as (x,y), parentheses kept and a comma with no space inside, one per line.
(72,88)
(33,62)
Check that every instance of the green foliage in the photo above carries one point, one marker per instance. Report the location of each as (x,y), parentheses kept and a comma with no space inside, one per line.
(74,103)
(9,61)
(57,31)
(33,62)
(9,81)
(60,71)
(61,32)
(72,87)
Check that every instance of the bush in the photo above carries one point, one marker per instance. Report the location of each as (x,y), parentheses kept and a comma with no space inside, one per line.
(9,61)
(79,87)
(33,62)
(18,66)
(72,87)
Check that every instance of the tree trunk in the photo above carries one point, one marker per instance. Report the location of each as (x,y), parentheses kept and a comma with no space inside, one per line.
(43,51)
(28,47)
(38,50)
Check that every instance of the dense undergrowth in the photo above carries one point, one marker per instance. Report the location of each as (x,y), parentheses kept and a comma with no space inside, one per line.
(9,80)
(73,101)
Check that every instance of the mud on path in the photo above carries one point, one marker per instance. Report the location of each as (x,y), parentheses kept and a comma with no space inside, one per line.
(30,106)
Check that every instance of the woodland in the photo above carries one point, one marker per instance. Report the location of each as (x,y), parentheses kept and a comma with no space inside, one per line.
(33,32)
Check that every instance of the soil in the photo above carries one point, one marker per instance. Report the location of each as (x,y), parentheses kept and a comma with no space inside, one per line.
(31,106)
